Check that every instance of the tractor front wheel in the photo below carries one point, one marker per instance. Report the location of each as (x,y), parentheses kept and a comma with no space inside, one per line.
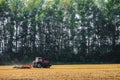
(39,65)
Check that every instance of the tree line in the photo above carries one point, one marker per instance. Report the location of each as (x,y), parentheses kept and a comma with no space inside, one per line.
(84,31)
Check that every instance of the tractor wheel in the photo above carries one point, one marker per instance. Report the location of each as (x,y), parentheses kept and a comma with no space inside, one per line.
(39,65)
(48,67)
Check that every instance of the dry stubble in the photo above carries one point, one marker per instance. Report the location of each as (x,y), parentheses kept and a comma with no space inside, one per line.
(63,72)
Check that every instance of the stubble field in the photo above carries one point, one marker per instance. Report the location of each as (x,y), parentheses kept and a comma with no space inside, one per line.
(63,72)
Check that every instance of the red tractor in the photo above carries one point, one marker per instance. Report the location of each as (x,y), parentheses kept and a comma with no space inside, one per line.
(40,62)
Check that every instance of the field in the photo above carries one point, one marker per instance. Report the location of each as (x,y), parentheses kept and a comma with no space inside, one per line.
(63,72)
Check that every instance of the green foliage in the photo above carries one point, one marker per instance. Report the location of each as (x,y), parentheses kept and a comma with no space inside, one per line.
(2,4)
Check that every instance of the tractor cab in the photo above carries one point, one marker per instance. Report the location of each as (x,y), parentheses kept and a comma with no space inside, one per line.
(38,59)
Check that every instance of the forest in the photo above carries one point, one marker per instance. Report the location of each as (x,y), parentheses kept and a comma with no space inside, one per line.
(67,31)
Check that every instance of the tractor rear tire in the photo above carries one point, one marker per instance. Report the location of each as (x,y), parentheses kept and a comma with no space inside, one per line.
(48,67)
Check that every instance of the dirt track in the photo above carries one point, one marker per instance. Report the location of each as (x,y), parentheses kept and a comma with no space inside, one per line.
(63,72)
